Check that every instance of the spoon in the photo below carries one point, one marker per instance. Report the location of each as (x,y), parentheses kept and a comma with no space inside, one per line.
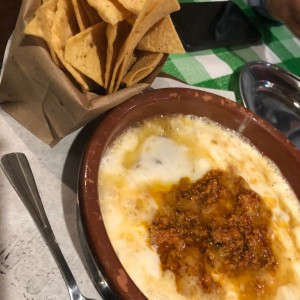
(17,169)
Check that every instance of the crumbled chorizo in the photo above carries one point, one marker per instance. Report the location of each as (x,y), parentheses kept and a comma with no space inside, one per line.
(217,223)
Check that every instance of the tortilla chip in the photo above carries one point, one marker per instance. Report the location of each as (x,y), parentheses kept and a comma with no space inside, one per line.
(41,24)
(82,19)
(145,64)
(131,19)
(96,40)
(135,6)
(116,36)
(162,37)
(131,62)
(111,11)
(65,26)
(91,13)
(86,52)
(111,34)
(152,12)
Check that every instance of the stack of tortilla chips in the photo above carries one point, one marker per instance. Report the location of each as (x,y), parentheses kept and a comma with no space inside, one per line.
(107,43)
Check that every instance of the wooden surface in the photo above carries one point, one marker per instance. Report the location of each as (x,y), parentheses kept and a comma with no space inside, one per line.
(9,10)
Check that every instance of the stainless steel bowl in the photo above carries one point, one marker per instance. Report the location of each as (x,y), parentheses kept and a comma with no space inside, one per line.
(274,94)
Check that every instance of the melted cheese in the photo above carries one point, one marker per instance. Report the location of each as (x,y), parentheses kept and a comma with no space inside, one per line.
(150,158)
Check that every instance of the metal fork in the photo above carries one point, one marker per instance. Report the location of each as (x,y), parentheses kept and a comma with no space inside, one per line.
(17,169)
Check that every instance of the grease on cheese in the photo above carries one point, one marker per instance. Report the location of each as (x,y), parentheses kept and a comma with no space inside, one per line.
(150,158)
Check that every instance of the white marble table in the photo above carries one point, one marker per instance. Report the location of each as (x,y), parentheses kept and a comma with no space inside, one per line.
(27,269)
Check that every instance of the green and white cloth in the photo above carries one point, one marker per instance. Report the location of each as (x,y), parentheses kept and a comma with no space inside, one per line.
(219,68)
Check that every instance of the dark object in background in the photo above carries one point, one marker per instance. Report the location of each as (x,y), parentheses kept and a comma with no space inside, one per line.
(205,25)
(9,11)
(274,94)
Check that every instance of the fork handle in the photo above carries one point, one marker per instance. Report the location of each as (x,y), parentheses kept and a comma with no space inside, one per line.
(18,171)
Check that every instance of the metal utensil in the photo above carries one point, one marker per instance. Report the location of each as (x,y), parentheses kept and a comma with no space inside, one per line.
(93,269)
(17,169)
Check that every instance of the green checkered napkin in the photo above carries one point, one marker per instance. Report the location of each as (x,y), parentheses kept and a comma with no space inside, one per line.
(219,68)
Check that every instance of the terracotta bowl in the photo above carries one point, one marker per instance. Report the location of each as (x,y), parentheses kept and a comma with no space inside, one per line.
(157,102)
